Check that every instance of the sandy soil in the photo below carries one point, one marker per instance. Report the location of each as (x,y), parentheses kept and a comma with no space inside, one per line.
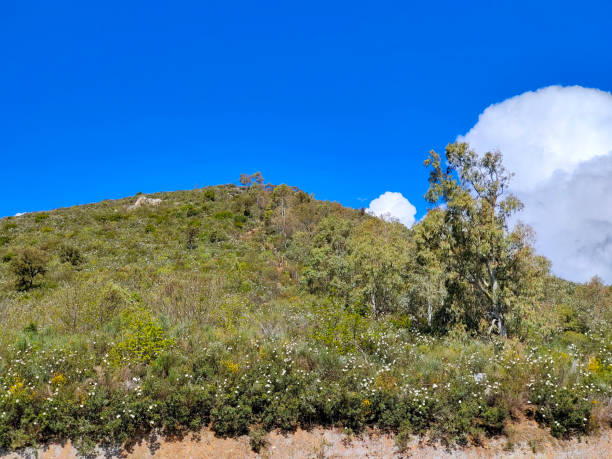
(524,440)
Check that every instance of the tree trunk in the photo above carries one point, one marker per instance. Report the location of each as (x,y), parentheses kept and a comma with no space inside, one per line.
(429,312)
(374,307)
(501,324)
(502,327)
(283,213)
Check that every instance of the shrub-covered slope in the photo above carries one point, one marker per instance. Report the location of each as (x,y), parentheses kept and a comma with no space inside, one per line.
(255,307)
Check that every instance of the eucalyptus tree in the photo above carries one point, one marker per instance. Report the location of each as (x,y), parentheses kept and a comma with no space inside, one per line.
(379,261)
(482,252)
(363,265)
(428,268)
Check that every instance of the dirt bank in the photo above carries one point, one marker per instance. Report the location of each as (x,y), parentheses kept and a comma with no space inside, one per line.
(524,440)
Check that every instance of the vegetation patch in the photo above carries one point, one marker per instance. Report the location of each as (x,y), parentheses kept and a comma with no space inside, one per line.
(254,307)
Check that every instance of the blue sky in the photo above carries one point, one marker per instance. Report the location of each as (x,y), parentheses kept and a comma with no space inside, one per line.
(343,99)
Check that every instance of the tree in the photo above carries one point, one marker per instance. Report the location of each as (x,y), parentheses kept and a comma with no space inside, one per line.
(593,302)
(428,272)
(250,180)
(482,254)
(279,215)
(379,260)
(363,266)
(28,265)
(327,268)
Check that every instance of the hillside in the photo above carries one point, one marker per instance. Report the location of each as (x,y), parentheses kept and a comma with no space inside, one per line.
(255,307)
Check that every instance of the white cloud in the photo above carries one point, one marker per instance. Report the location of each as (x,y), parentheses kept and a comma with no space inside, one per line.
(539,132)
(19,214)
(392,206)
(572,214)
(558,141)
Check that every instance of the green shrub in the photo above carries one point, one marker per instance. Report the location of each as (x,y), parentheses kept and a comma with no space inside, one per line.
(110,217)
(239,221)
(493,418)
(217,235)
(31,328)
(229,420)
(191,235)
(565,411)
(224,214)
(142,339)
(258,439)
(28,265)
(209,194)
(190,210)
(71,254)
(570,319)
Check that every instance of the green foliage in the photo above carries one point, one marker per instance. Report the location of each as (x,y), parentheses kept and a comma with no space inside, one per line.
(142,339)
(570,319)
(490,265)
(286,312)
(379,261)
(209,194)
(564,410)
(258,439)
(255,179)
(190,210)
(231,420)
(365,265)
(10,226)
(110,217)
(41,217)
(327,266)
(340,328)
(224,214)
(191,235)
(239,220)
(28,265)
(71,254)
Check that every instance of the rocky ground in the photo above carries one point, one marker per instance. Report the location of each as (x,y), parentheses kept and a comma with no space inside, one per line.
(523,440)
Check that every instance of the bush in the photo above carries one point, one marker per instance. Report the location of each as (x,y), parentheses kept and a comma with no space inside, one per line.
(217,235)
(142,339)
(29,264)
(565,411)
(239,220)
(231,420)
(191,234)
(224,214)
(71,254)
(190,210)
(258,439)
(209,194)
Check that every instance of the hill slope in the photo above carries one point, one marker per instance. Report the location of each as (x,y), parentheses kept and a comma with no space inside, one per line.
(248,308)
